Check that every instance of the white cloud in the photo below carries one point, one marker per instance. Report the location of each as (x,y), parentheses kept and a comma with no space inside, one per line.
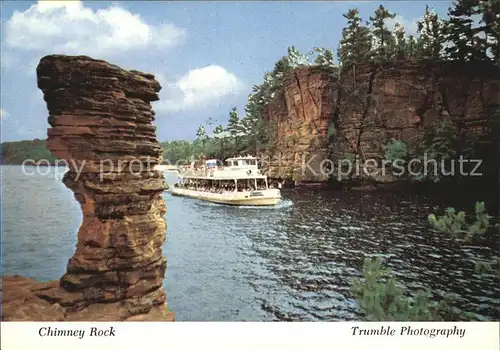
(6,59)
(200,87)
(3,113)
(409,25)
(69,27)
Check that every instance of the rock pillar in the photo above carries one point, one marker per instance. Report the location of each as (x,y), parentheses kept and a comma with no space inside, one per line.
(101,125)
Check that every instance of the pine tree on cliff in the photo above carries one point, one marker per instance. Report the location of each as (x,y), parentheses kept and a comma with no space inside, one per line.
(383,39)
(490,21)
(220,137)
(355,42)
(411,47)
(297,59)
(400,45)
(430,35)
(325,57)
(466,42)
(235,128)
(257,134)
(277,74)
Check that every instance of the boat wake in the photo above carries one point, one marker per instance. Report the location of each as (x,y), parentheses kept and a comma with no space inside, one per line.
(282,204)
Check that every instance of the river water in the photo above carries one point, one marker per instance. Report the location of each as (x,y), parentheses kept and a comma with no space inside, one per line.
(290,263)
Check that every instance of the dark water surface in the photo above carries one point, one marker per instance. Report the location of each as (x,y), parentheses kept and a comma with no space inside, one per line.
(293,262)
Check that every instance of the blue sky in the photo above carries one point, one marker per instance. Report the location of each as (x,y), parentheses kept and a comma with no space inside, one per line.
(206,55)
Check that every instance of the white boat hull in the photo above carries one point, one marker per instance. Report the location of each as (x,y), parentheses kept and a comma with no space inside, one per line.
(264,197)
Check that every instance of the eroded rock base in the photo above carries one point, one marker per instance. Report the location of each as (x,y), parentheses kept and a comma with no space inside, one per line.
(25,299)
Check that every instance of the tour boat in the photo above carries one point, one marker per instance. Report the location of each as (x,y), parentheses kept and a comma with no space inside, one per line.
(238,182)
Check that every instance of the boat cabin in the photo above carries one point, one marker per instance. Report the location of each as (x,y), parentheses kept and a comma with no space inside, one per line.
(241,162)
(211,163)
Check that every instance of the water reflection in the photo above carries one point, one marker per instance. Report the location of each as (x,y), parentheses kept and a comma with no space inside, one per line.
(293,262)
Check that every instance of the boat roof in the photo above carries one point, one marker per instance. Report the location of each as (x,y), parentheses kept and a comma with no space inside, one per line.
(225,177)
(241,157)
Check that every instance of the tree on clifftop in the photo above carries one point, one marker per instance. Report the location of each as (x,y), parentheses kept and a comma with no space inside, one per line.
(430,35)
(400,47)
(411,47)
(235,128)
(383,39)
(219,136)
(355,42)
(296,59)
(462,34)
(257,134)
(325,57)
(490,21)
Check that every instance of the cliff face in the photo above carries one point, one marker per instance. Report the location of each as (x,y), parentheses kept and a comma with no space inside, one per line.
(301,113)
(371,105)
(101,121)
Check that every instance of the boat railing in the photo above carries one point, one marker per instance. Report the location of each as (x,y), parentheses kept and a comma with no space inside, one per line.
(213,171)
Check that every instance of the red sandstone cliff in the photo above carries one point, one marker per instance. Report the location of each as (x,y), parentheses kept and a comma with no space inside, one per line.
(371,107)
(301,112)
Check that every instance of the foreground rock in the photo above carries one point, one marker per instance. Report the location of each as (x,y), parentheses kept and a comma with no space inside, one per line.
(101,121)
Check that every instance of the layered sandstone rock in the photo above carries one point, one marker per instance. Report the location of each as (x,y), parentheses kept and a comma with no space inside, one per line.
(301,113)
(101,121)
(370,106)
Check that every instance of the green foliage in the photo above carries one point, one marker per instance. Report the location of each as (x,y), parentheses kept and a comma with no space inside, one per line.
(467,39)
(382,35)
(356,40)
(411,47)
(395,150)
(19,151)
(430,35)
(332,131)
(382,298)
(490,25)
(400,45)
(325,58)
(455,223)
(492,266)
(201,134)
(437,149)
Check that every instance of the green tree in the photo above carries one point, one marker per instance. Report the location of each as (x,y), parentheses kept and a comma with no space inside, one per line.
(382,297)
(437,148)
(258,133)
(383,39)
(355,42)
(201,135)
(490,25)
(465,43)
(297,59)
(220,136)
(235,129)
(18,151)
(324,57)
(400,45)
(430,35)
(411,47)
(395,150)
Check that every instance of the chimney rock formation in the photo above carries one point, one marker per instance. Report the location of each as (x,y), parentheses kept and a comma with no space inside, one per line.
(101,125)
